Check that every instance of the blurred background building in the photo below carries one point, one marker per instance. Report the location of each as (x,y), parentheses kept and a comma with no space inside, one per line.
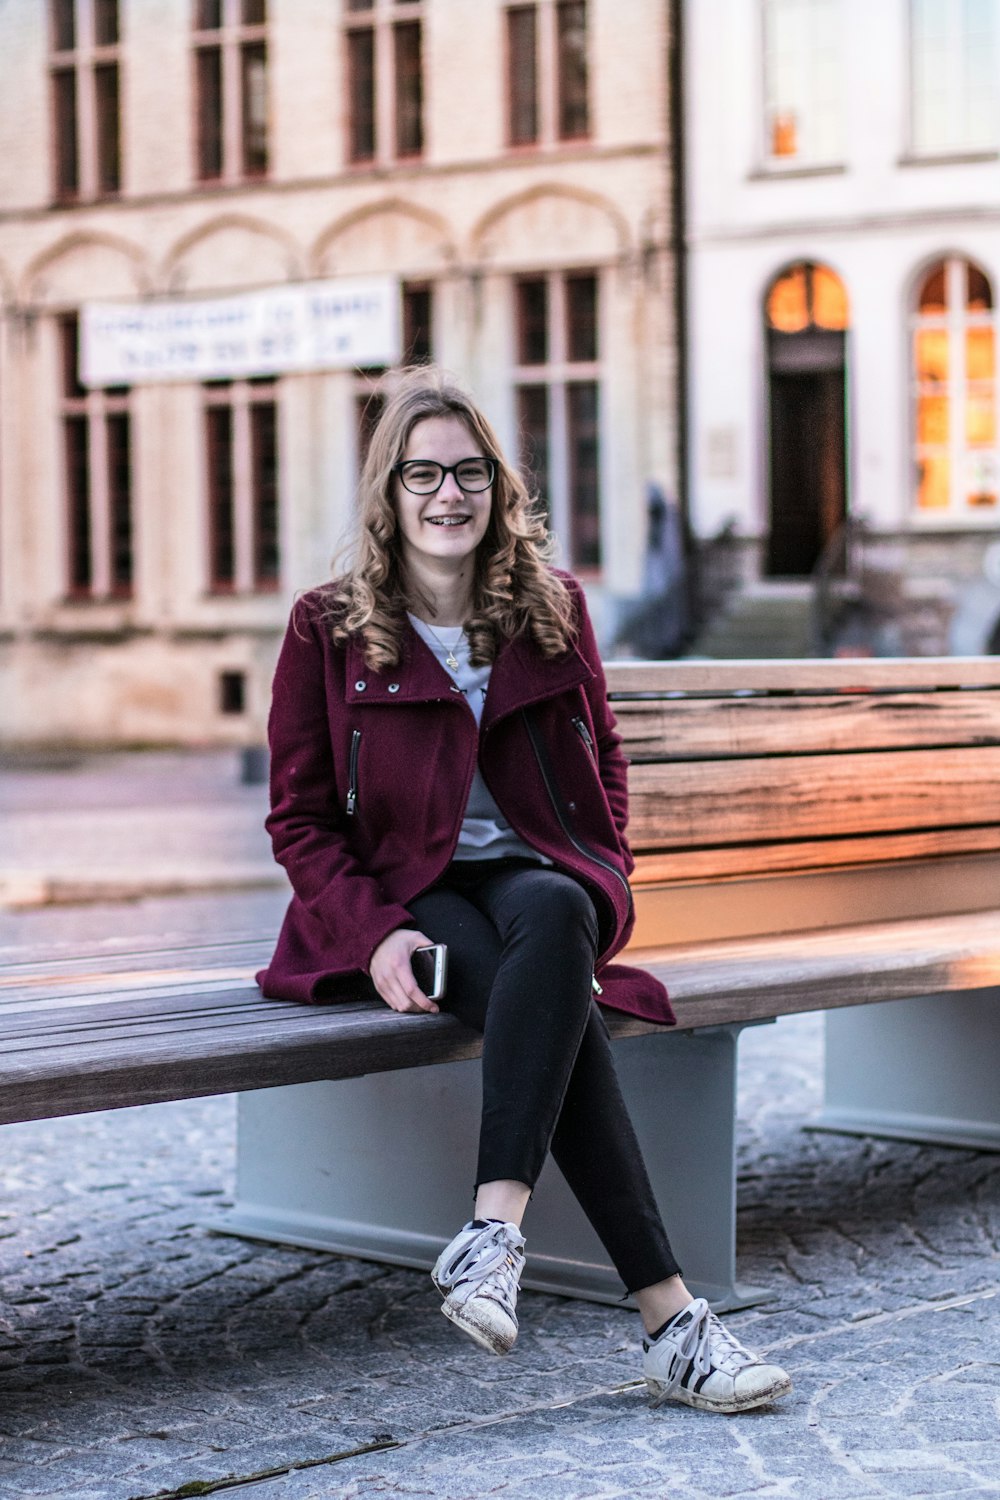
(843,197)
(506,165)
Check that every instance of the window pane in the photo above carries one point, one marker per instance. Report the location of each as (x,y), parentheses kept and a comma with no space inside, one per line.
(359,4)
(533,429)
(933,293)
(532,322)
(981,480)
(829,299)
(980,419)
(581,317)
(264,469)
(66,154)
(253,60)
(120,502)
(106,22)
(361,90)
(209,73)
(77,454)
(522,75)
(254,12)
(219,464)
(787,302)
(932,356)
(69,344)
(932,420)
(571,27)
(979,354)
(802,79)
(409,90)
(208,16)
(417,341)
(980,293)
(933,482)
(108,130)
(63,25)
(584,485)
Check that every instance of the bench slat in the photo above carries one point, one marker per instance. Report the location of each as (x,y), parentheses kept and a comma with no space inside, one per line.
(727,862)
(807,674)
(696,728)
(685,805)
(263,1044)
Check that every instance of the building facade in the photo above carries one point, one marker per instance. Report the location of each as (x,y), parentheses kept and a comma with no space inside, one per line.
(505,164)
(844,261)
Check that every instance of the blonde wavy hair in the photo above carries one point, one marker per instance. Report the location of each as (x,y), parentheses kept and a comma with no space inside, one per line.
(514,591)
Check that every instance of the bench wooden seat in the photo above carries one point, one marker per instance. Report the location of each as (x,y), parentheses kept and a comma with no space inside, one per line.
(809,835)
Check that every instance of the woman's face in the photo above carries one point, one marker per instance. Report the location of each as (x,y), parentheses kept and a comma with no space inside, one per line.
(447,526)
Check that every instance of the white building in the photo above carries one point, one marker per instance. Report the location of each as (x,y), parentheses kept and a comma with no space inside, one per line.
(844,274)
(505,164)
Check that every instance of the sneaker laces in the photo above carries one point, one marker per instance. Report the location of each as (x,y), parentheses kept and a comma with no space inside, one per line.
(706,1345)
(494,1255)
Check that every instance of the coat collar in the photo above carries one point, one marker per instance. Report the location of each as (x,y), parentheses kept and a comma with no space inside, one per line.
(520,676)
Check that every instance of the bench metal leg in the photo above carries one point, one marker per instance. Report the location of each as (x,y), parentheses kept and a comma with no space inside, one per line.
(917,1070)
(382,1167)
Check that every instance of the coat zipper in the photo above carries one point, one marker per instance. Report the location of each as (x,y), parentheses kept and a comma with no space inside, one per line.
(352,775)
(557,809)
(585,735)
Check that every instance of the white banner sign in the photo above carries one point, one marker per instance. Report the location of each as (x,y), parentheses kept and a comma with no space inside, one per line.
(317,325)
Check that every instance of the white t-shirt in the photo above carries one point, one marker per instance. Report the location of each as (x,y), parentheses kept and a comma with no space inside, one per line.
(485,833)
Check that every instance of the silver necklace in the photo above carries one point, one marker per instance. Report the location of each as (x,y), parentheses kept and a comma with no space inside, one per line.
(451,660)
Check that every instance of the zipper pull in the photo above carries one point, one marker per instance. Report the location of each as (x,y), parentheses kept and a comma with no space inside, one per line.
(596,987)
(352,799)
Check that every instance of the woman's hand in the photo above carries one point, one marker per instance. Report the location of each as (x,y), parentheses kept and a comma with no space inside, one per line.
(392,975)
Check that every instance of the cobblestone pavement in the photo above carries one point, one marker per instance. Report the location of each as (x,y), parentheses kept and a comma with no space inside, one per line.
(140,1354)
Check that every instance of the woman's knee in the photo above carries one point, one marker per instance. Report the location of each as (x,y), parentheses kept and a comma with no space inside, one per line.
(551,908)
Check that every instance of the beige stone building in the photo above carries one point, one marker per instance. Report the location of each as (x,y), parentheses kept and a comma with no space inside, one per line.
(505,164)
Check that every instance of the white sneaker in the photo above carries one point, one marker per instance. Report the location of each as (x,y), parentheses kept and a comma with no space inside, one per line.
(478,1275)
(698,1361)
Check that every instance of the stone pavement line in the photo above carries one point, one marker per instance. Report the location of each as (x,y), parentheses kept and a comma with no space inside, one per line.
(246,1482)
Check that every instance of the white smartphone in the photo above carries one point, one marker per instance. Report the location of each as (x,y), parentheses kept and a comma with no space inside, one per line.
(430,969)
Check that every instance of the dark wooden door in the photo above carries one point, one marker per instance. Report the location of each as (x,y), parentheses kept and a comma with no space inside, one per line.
(808,455)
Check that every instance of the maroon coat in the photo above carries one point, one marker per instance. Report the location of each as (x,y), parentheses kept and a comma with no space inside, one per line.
(370,773)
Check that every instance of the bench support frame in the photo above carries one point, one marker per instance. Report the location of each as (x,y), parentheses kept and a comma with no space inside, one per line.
(382,1167)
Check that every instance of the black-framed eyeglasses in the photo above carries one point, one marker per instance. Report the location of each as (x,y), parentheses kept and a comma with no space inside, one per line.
(422,476)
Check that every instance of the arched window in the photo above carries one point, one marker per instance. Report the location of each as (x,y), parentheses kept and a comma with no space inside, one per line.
(807,296)
(955,396)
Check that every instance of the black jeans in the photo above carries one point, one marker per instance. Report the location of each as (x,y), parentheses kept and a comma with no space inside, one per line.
(521,944)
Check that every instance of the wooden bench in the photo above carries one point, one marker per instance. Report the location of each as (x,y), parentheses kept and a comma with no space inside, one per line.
(810,835)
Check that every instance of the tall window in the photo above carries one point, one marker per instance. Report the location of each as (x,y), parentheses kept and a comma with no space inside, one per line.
(802,82)
(231,89)
(85,70)
(97,483)
(557,394)
(955,394)
(551,103)
(241,466)
(954,63)
(418,349)
(385,79)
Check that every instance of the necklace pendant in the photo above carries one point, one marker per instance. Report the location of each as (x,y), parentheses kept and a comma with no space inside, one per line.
(451,661)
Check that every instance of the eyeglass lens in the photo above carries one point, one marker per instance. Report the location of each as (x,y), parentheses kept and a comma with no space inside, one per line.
(423,477)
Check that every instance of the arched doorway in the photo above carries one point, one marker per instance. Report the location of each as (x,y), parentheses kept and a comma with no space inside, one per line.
(806,326)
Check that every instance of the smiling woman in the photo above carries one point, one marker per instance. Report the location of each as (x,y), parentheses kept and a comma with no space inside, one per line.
(446,771)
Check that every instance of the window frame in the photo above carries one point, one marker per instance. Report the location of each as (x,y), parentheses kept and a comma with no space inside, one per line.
(957,92)
(95,153)
(249,575)
(92,410)
(231,42)
(956,321)
(384,21)
(562,376)
(806,159)
(549,79)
